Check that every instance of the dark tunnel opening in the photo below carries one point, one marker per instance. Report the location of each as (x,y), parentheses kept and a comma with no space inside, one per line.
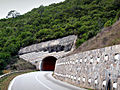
(109,85)
(48,63)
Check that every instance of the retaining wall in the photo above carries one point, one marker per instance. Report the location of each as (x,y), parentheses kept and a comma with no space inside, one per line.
(96,69)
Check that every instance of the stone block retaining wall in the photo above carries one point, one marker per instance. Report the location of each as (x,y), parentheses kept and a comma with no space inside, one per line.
(96,69)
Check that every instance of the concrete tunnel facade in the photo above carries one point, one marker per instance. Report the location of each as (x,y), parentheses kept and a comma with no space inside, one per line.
(48,63)
(45,54)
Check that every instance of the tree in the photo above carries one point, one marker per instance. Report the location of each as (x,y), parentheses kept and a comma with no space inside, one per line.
(13,14)
(117,3)
(2,65)
(84,18)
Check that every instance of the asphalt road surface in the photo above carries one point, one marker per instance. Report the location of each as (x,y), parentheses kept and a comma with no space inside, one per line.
(39,81)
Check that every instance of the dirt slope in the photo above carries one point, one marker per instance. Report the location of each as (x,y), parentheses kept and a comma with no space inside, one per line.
(107,37)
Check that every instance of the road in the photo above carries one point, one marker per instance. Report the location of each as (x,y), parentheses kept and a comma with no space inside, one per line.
(39,81)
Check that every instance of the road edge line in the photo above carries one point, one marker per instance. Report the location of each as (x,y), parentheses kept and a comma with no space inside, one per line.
(11,84)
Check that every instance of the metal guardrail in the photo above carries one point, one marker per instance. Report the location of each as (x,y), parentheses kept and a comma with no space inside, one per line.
(4,75)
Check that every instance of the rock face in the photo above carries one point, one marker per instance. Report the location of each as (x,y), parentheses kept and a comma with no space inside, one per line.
(63,44)
(97,69)
(57,48)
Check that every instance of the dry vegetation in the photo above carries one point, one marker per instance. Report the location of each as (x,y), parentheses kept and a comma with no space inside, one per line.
(20,64)
(107,37)
(4,82)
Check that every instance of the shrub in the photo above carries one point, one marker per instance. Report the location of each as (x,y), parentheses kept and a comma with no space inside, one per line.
(108,23)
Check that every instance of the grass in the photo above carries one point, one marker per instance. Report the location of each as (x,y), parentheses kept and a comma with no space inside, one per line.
(90,89)
(4,82)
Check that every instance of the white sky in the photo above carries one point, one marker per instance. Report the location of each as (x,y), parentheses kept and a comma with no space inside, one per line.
(22,6)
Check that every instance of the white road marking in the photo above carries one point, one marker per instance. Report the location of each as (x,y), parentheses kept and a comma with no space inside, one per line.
(13,81)
(36,77)
(11,84)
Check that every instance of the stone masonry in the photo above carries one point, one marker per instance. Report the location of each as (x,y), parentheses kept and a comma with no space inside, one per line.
(56,48)
(96,69)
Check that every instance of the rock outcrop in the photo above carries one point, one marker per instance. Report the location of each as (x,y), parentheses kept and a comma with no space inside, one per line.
(57,48)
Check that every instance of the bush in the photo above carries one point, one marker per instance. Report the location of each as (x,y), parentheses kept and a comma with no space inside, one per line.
(108,23)
(83,18)
(2,64)
(1,72)
(79,42)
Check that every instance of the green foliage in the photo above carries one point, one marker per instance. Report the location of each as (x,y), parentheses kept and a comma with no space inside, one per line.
(79,42)
(116,3)
(108,23)
(117,17)
(4,55)
(2,64)
(1,73)
(84,18)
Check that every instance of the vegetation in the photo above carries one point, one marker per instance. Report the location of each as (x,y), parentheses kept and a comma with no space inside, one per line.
(84,18)
(13,14)
(5,81)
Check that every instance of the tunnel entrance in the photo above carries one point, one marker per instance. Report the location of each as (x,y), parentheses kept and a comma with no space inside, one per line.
(48,63)
(109,85)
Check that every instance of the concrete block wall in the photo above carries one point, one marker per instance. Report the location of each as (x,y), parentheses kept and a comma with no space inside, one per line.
(95,69)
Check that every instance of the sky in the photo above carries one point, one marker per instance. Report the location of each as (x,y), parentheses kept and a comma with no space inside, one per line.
(22,6)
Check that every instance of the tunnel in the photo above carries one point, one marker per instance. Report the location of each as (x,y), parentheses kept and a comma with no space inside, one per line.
(48,63)
(109,85)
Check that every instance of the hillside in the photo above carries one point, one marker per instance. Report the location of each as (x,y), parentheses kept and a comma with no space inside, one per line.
(107,37)
(84,18)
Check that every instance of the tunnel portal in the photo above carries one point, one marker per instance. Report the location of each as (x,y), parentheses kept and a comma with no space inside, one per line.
(48,63)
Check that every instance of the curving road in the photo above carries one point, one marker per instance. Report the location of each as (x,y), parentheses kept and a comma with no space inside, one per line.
(39,81)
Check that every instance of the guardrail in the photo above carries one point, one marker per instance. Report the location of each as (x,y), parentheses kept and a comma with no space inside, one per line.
(7,74)
(4,75)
